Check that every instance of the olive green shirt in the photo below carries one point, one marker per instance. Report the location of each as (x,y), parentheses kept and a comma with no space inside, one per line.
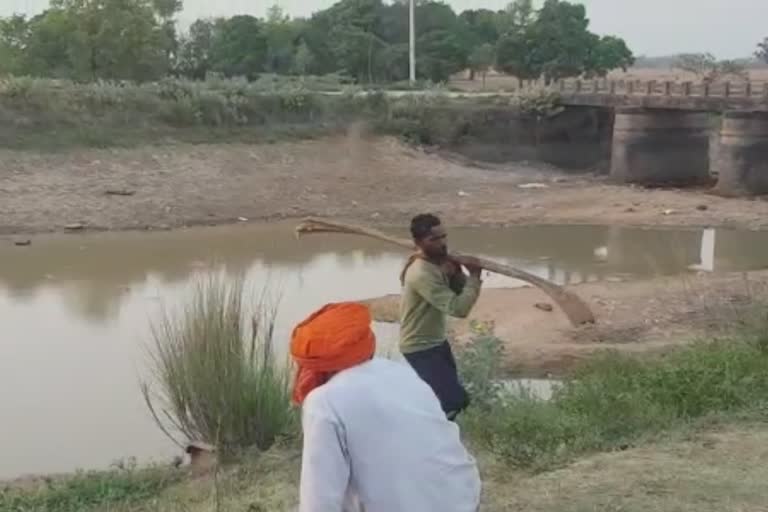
(428,298)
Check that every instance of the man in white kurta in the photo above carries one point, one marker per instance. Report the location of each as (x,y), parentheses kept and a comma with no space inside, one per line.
(375,436)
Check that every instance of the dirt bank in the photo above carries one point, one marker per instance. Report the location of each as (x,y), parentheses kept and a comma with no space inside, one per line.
(635,317)
(376,180)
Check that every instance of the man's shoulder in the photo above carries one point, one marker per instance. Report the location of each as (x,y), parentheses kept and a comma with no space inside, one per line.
(352,379)
(421,268)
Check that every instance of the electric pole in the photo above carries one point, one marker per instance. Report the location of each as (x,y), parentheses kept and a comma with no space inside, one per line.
(412,40)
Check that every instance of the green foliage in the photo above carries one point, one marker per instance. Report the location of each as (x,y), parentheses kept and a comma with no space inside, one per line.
(216,375)
(562,39)
(555,43)
(613,400)
(89,491)
(514,55)
(238,47)
(444,54)
(282,38)
(194,55)
(364,39)
(607,53)
(482,26)
(105,39)
(48,114)
(52,114)
(481,365)
(13,37)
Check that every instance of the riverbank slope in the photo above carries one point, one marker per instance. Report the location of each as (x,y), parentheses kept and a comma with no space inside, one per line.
(378,180)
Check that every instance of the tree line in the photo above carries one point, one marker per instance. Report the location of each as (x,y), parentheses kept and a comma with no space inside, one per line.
(366,40)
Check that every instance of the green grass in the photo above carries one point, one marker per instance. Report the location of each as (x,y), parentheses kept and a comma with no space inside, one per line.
(216,377)
(89,491)
(616,400)
(633,424)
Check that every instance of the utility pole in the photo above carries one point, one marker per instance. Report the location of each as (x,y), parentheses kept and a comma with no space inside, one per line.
(412,40)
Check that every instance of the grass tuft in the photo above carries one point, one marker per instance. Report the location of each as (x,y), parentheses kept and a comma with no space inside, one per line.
(216,377)
(90,490)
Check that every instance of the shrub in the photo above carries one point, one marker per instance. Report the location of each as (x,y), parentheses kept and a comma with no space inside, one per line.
(55,113)
(215,373)
(613,400)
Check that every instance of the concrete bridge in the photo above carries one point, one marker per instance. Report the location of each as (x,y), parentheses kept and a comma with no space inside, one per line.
(683,134)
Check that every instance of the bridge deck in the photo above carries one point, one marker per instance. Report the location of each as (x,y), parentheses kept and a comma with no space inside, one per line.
(666,95)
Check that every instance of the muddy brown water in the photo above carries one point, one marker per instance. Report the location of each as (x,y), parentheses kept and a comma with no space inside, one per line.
(75,310)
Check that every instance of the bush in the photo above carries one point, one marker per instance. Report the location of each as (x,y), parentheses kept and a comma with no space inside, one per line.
(41,113)
(613,400)
(216,377)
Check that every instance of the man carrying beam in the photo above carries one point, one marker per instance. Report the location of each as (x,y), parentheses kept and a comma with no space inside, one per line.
(435,287)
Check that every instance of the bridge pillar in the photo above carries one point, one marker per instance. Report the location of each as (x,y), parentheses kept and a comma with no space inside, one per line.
(742,159)
(660,147)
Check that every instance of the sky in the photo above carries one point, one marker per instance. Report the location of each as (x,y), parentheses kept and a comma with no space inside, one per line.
(726,28)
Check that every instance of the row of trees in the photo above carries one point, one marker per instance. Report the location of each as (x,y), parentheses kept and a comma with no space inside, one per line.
(365,39)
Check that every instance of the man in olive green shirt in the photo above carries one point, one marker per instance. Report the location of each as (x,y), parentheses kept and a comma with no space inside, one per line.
(434,287)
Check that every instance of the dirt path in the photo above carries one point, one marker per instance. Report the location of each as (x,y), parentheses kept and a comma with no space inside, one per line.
(375,180)
(635,317)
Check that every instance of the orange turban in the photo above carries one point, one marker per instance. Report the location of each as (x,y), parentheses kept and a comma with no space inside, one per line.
(335,338)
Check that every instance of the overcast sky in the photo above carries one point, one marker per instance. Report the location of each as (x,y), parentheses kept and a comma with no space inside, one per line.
(727,28)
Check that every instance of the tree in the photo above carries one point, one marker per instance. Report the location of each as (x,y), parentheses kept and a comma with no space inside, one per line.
(482,28)
(194,56)
(347,37)
(282,37)
(556,43)
(393,59)
(515,54)
(762,50)
(515,47)
(238,47)
(606,54)
(14,35)
(708,69)
(515,17)
(481,60)
(482,25)
(562,41)
(96,39)
(443,42)
(733,68)
(700,64)
(442,54)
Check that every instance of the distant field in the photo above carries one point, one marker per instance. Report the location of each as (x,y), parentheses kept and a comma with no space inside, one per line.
(505,82)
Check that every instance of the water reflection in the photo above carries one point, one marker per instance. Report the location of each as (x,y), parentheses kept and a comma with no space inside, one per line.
(75,310)
(94,273)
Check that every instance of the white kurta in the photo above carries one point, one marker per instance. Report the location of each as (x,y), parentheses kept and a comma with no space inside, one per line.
(376,433)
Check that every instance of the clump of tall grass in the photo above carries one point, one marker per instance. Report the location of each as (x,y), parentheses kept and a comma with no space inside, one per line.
(614,400)
(216,376)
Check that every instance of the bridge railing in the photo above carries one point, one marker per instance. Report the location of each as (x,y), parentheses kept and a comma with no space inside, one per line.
(742,89)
